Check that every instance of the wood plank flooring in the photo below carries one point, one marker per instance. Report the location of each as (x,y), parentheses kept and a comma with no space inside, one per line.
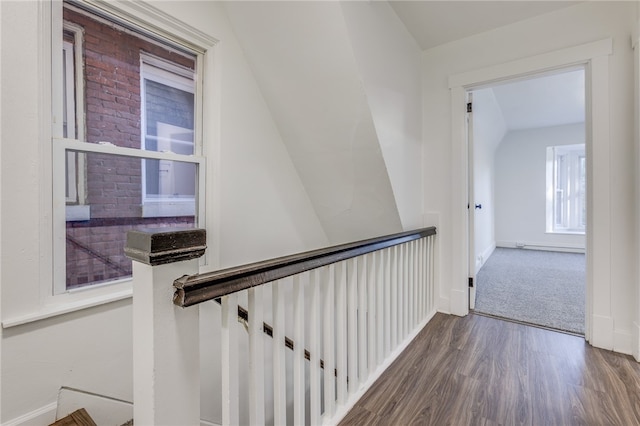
(478,370)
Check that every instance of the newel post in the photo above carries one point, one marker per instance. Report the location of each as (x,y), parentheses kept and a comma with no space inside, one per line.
(166,346)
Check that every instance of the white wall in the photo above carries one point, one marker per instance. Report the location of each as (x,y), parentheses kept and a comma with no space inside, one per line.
(489,127)
(388,61)
(301,55)
(521,167)
(579,24)
(262,206)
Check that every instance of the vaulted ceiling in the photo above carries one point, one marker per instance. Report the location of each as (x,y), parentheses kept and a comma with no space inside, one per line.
(545,101)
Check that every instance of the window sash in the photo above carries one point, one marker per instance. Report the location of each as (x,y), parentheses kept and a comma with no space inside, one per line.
(62,147)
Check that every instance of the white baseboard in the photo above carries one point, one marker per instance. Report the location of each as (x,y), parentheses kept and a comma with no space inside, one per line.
(444,306)
(602,332)
(482,258)
(635,341)
(622,342)
(459,302)
(42,416)
(530,245)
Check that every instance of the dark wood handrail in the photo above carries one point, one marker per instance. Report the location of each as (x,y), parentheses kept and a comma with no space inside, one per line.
(198,288)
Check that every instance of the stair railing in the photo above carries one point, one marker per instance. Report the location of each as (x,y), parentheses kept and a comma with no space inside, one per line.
(349,310)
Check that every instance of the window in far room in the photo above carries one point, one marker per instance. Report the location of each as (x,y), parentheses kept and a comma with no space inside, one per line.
(566,189)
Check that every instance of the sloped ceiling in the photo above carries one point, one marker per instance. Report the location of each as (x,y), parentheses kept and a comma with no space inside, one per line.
(544,101)
(301,57)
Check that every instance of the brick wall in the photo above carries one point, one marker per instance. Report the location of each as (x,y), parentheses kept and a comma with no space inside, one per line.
(112,109)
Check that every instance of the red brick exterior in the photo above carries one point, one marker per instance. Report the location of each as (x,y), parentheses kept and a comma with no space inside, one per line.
(114,185)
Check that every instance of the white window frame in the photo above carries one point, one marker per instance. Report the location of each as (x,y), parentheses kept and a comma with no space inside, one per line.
(569,202)
(73,114)
(56,298)
(171,75)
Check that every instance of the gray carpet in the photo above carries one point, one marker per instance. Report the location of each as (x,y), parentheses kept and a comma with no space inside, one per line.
(538,287)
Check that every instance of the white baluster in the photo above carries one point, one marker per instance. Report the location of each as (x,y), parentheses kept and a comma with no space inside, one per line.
(432,281)
(230,372)
(279,348)
(327,279)
(405,293)
(425,276)
(388,254)
(341,331)
(256,356)
(314,348)
(395,291)
(371,312)
(299,388)
(416,282)
(421,283)
(411,297)
(401,293)
(352,326)
(362,318)
(379,306)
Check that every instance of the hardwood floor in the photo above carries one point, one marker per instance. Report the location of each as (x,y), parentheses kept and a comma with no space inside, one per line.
(478,370)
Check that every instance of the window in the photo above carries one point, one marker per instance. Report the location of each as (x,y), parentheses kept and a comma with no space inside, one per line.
(125,151)
(168,125)
(566,189)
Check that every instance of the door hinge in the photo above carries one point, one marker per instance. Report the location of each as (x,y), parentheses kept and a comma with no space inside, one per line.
(470,281)
(469,107)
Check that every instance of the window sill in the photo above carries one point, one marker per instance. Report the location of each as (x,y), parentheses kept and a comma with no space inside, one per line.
(566,232)
(169,208)
(65,308)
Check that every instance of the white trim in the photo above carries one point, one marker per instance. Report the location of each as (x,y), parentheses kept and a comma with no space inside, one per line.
(154,21)
(41,416)
(531,245)
(485,255)
(546,62)
(459,208)
(54,310)
(603,336)
(595,57)
(623,342)
(108,148)
(635,341)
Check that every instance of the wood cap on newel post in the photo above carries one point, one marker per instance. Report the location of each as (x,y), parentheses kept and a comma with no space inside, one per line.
(158,246)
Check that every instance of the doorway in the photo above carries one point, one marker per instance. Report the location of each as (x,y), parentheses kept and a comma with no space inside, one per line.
(527,187)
